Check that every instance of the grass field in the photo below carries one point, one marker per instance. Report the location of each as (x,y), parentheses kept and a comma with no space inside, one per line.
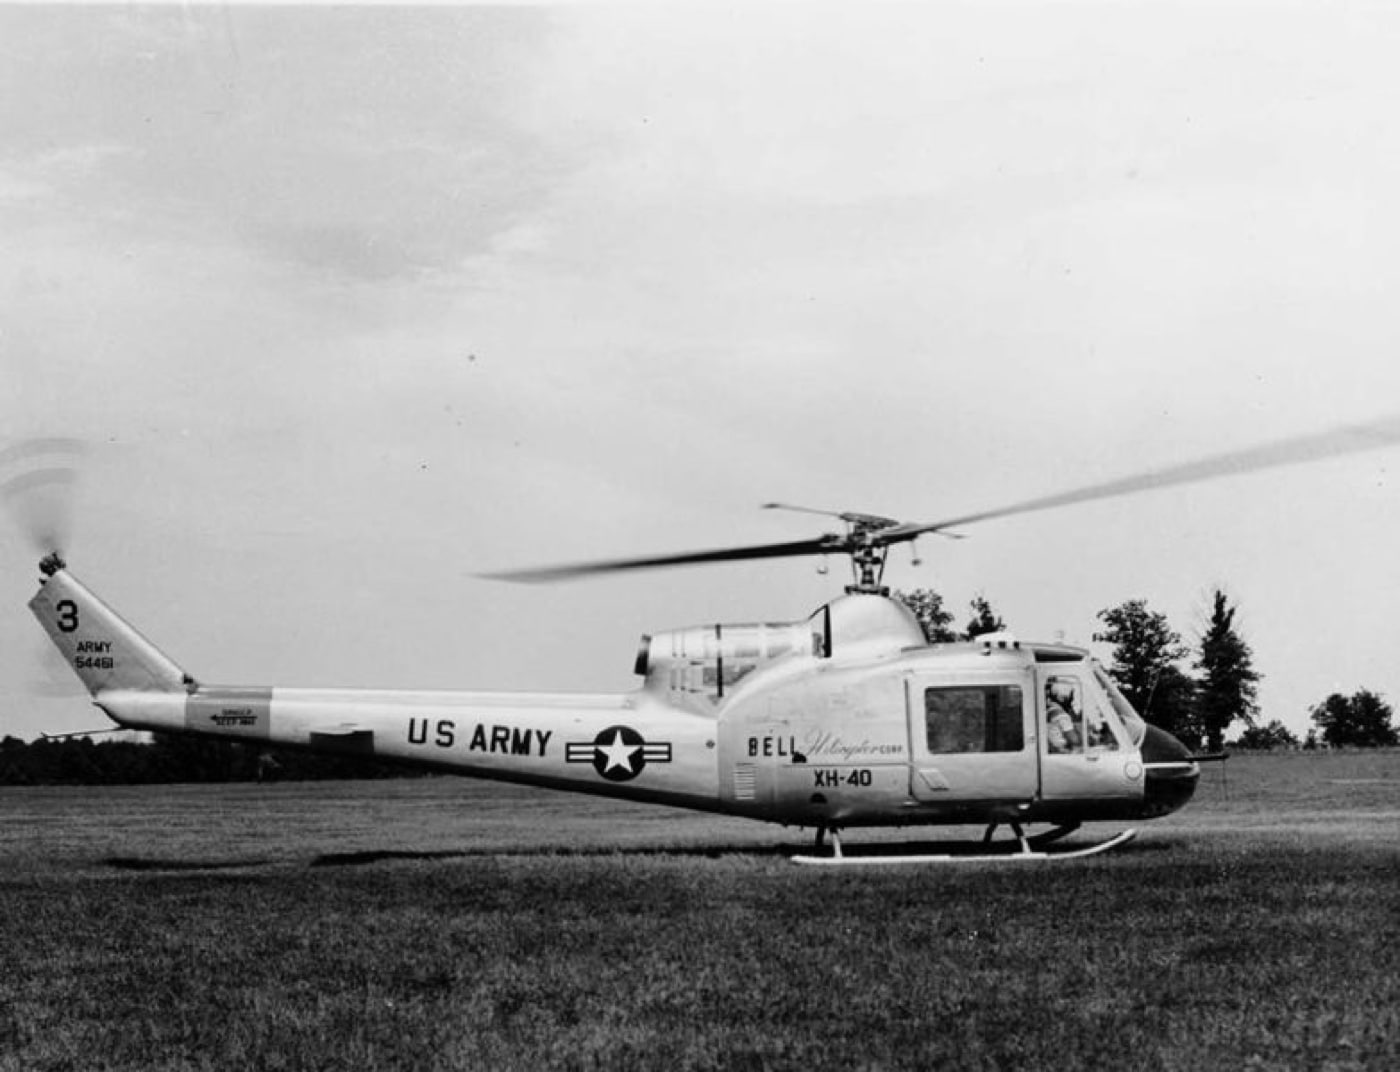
(458,925)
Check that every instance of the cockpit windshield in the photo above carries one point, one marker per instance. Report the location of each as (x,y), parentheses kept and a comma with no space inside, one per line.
(1132,721)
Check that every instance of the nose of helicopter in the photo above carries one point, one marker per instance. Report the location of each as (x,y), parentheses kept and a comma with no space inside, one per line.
(1171,773)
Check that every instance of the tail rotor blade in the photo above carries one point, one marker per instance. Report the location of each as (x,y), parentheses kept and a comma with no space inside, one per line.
(38,484)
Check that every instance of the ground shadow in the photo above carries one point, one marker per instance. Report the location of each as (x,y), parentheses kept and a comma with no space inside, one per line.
(373,856)
(878,850)
(140,863)
(351,859)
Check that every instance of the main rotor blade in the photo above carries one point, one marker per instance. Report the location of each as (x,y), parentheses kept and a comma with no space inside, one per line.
(848,516)
(830,543)
(1348,439)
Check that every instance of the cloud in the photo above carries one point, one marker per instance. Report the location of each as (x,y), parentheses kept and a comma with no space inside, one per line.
(16,188)
(360,143)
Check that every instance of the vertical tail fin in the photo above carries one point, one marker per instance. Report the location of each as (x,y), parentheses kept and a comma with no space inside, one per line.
(103,650)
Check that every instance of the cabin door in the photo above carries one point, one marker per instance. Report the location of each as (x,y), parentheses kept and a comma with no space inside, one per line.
(1082,755)
(971,740)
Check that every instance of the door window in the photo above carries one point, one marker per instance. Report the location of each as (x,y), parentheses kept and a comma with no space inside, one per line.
(1064,715)
(1074,719)
(974,718)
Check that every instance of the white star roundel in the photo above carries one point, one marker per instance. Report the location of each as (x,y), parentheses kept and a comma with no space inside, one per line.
(618,753)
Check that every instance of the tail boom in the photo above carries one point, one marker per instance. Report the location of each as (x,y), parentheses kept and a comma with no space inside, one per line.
(630,745)
(612,745)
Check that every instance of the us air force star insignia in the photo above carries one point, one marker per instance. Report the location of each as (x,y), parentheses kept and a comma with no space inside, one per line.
(618,753)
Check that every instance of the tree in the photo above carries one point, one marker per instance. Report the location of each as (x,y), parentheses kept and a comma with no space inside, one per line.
(1174,709)
(927,607)
(1145,653)
(1267,738)
(1227,688)
(1361,720)
(984,619)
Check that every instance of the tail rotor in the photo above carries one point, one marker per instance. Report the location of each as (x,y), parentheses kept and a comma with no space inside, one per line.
(38,486)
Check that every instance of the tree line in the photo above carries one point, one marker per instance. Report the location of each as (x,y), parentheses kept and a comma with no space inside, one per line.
(1194,692)
(169,758)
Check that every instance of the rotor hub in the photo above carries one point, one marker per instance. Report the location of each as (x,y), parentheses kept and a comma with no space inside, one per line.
(867,560)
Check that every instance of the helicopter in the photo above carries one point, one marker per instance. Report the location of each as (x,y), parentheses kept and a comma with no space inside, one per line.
(844,718)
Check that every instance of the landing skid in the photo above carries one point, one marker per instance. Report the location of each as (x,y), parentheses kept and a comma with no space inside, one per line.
(1027,849)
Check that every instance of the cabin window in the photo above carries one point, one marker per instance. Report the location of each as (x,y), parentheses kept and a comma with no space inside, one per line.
(1098,730)
(1132,722)
(1075,720)
(978,718)
(1064,715)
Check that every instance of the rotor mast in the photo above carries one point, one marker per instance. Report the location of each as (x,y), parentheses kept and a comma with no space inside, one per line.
(868,554)
(866,541)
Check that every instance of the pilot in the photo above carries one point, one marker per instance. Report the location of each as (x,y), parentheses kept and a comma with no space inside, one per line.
(1100,736)
(1060,733)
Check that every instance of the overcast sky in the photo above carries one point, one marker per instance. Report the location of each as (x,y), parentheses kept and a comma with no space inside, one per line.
(350,305)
